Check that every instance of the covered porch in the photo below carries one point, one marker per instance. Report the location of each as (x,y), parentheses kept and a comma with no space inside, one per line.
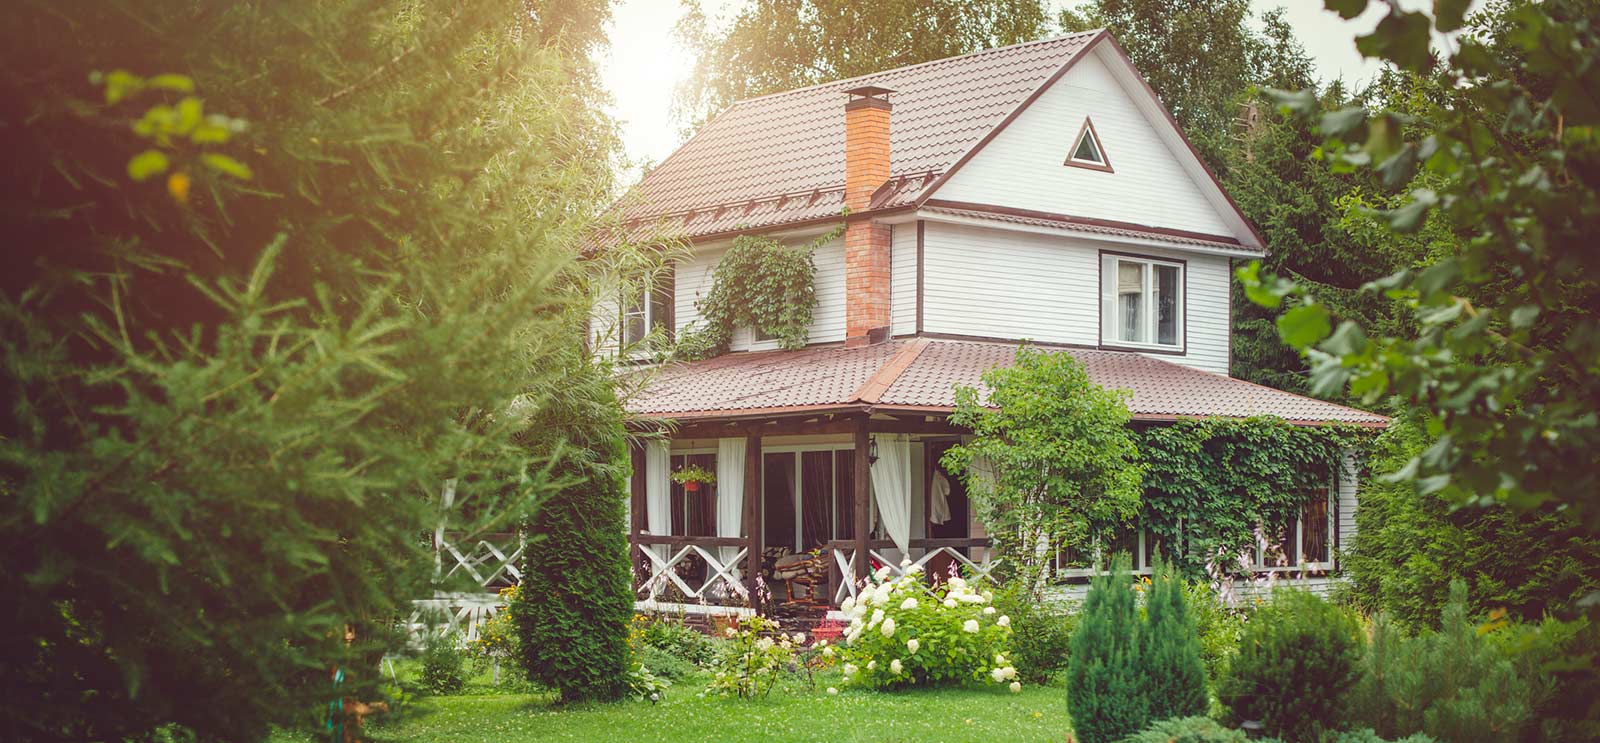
(788,523)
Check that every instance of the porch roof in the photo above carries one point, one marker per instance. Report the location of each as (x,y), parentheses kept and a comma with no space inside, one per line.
(920,375)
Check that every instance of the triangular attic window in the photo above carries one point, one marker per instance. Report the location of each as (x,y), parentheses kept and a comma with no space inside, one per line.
(1086,151)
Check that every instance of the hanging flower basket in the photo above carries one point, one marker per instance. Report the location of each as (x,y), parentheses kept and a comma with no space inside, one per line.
(692,476)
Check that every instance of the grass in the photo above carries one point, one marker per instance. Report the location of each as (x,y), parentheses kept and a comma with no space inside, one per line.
(793,712)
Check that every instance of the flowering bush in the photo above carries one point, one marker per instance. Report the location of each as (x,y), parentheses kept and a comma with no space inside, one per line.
(755,655)
(904,632)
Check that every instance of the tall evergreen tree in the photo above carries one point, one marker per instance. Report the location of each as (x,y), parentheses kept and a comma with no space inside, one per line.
(1174,676)
(277,271)
(1105,692)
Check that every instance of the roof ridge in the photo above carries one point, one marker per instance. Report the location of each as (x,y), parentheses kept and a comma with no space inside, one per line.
(872,390)
(928,63)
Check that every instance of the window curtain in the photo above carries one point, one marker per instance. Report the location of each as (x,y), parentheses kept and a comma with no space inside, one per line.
(730,494)
(891,488)
(658,490)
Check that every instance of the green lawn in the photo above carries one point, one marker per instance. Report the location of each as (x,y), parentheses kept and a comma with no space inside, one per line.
(793,712)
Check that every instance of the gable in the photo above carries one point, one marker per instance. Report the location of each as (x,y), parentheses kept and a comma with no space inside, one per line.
(1152,178)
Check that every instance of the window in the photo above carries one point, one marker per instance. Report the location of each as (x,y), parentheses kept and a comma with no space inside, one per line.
(1142,303)
(1087,151)
(1302,542)
(807,496)
(1136,543)
(641,314)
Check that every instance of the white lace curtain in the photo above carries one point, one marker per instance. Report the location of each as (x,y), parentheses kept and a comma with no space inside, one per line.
(891,488)
(730,493)
(658,489)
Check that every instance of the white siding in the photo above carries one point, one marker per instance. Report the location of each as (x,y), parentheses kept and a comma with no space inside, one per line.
(695,276)
(903,279)
(1348,485)
(999,283)
(1022,166)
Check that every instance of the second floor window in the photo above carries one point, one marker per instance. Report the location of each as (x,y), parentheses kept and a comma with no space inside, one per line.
(642,314)
(1143,304)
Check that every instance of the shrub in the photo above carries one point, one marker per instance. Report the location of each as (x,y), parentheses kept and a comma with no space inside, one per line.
(754,657)
(1367,736)
(573,609)
(642,685)
(443,664)
(1452,684)
(1174,676)
(670,636)
(1219,627)
(1104,695)
(1296,659)
(1041,634)
(663,663)
(904,632)
(1187,730)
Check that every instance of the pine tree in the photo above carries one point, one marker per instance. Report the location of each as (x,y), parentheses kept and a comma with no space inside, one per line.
(1105,693)
(1174,676)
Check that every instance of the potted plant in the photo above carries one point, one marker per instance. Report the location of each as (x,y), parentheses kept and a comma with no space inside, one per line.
(691,476)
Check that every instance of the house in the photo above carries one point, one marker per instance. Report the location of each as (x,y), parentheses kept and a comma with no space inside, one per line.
(1036,192)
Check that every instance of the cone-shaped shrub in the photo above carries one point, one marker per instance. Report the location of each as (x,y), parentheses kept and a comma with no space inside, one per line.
(1174,676)
(1104,687)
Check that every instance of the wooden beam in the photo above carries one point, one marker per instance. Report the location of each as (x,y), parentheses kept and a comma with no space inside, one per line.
(753,530)
(863,496)
(637,521)
(914,424)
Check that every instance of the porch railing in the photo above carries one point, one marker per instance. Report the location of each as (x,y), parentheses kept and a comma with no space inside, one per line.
(842,583)
(703,570)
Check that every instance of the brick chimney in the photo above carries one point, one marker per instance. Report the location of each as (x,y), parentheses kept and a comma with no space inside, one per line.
(866,245)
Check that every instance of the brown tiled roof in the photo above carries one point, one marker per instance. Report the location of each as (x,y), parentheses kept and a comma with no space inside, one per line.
(836,377)
(780,158)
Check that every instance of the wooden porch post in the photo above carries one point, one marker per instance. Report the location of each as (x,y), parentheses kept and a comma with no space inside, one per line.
(637,517)
(753,528)
(863,497)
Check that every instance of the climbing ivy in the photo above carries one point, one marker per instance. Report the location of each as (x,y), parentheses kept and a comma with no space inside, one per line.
(759,283)
(1210,483)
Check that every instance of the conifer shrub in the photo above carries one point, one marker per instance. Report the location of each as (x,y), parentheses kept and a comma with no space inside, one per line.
(575,603)
(1104,683)
(1453,684)
(1174,676)
(1298,656)
(1197,729)
(443,664)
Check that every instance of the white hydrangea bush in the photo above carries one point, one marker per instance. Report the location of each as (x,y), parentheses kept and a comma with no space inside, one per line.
(904,632)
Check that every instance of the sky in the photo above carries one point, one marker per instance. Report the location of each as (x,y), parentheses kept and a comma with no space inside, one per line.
(645,63)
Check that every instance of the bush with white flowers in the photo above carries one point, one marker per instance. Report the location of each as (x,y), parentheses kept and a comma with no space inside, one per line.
(904,632)
(755,655)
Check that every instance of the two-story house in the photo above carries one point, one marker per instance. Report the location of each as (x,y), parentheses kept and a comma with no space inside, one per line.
(1038,192)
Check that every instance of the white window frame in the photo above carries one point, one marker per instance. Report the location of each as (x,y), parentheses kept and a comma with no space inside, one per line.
(1141,565)
(646,310)
(799,485)
(1301,565)
(1111,307)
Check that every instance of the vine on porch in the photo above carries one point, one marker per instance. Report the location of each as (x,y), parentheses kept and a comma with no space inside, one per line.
(1208,484)
(760,283)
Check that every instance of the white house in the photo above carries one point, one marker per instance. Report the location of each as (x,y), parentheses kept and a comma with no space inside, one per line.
(1035,192)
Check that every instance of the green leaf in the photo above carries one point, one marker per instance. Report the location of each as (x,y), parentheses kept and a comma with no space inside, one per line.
(120,84)
(1297,102)
(1348,340)
(189,110)
(1346,9)
(146,164)
(1408,218)
(1449,15)
(172,81)
(1383,137)
(227,165)
(1402,38)
(1335,123)
(1304,325)
(1523,317)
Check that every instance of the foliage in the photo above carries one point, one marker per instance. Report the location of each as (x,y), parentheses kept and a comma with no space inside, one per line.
(664,664)
(497,636)
(1210,484)
(1194,729)
(1452,684)
(232,401)
(1041,633)
(762,284)
(1051,456)
(643,685)
(1502,365)
(1296,661)
(1220,628)
(669,636)
(776,45)
(1556,657)
(443,663)
(1407,549)
(576,599)
(1367,736)
(1104,684)
(752,659)
(1169,650)
(904,632)
(693,473)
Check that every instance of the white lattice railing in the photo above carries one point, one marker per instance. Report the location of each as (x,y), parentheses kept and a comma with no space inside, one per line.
(844,559)
(491,561)
(458,612)
(691,569)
